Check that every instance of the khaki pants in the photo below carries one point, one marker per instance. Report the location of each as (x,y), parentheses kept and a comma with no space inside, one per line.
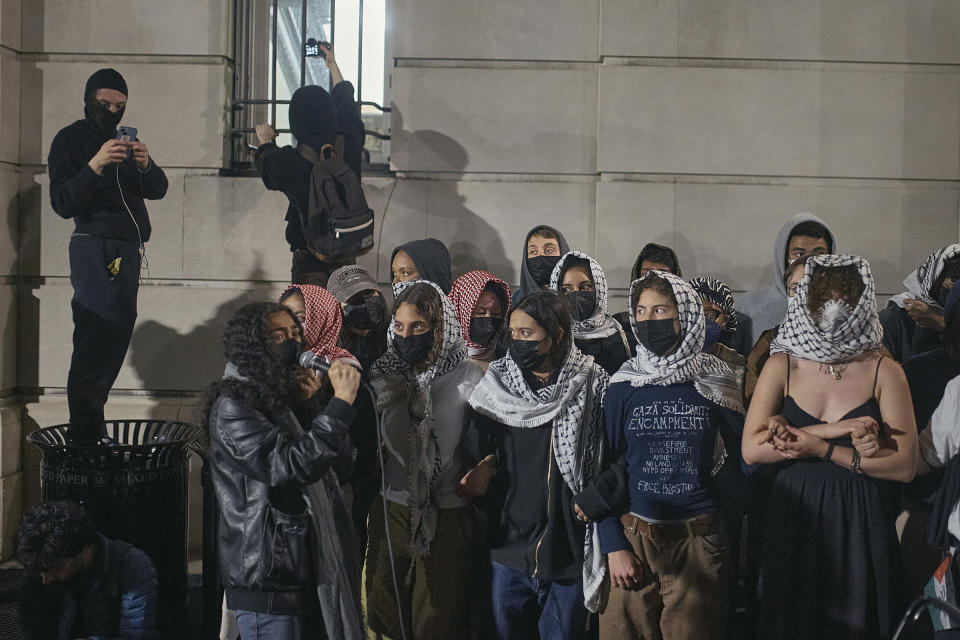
(682,593)
(435,604)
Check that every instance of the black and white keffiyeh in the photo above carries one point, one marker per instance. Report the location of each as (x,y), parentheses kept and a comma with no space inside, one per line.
(921,280)
(423,455)
(712,378)
(719,294)
(504,395)
(800,335)
(599,325)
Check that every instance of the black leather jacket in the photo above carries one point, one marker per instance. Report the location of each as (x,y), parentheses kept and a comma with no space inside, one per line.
(258,474)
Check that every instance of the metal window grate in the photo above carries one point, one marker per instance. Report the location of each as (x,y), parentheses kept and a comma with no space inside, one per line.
(271,63)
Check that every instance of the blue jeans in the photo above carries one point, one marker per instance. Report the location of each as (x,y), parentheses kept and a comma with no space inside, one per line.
(525,607)
(271,626)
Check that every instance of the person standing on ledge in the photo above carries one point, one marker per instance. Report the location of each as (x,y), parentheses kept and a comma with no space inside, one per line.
(317,118)
(100,182)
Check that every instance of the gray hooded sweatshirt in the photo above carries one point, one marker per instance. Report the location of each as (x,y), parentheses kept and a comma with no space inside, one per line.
(763,309)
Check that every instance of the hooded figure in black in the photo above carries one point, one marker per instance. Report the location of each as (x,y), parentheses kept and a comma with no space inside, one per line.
(431,261)
(317,117)
(89,170)
(535,270)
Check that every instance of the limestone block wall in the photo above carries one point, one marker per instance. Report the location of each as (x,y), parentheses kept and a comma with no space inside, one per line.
(702,124)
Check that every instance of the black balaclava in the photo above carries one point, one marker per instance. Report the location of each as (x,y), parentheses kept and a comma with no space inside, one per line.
(103,121)
(313,116)
(432,260)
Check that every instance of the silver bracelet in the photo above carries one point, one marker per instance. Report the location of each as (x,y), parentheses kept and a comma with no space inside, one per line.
(855,466)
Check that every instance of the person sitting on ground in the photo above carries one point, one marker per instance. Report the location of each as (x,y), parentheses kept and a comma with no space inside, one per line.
(542,249)
(582,285)
(285,545)
(653,257)
(764,308)
(481,300)
(317,118)
(427,259)
(721,318)
(79,584)
(913,320)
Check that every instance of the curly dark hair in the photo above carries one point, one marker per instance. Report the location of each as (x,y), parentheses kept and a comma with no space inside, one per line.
(951,269)
(51,533)
(551,313)
(428,304)
(825,282)
(269,383)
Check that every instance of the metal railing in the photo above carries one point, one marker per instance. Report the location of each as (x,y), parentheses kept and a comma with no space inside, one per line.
(257,32)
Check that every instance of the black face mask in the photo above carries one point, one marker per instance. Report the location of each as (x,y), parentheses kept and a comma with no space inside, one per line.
(367,315)
(414,349)
(103,120)
(541,267)
(484,330)
(525,354)
(658,336)
(289,352)
(582,304)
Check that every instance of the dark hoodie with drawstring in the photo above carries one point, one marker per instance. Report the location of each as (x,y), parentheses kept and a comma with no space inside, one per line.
(528,283)
(94,202)
(432,260)
(316,118)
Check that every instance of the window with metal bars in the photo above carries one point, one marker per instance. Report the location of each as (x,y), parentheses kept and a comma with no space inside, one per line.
(271,62)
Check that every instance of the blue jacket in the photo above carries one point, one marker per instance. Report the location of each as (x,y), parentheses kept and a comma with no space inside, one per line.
(116,599)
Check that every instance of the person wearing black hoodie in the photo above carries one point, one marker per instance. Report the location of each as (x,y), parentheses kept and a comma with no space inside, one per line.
(101,182)
(427,259)
(317,117)
(542,249)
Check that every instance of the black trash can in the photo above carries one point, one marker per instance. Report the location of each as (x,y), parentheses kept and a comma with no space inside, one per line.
(135,491)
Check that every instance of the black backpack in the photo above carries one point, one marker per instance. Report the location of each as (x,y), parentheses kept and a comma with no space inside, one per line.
(338,223)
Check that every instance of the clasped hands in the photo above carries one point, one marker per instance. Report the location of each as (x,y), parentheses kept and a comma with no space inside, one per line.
(794,443)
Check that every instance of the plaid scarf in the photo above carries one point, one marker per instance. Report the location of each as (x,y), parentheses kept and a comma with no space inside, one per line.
(504,395)
(801,337)
(464,294)
(322,323)
(599,325)
(712,378)
(423,455)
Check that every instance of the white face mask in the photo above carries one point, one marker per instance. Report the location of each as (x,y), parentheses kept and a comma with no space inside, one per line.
(833,314)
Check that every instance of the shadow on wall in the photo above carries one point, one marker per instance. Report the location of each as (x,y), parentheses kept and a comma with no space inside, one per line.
(473,242)
(166,360)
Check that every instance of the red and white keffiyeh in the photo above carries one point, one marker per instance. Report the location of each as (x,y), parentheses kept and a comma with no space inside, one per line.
(464,294)
(322,323)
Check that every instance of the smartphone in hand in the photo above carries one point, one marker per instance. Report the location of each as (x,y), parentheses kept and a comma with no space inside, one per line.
(127,135)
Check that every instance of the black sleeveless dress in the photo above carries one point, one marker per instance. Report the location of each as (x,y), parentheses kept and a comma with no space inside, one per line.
(830,563)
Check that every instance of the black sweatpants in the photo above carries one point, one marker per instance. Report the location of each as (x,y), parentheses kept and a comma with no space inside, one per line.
(308,269)
(104,312)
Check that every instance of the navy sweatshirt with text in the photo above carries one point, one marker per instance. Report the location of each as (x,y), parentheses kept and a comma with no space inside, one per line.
(668,434)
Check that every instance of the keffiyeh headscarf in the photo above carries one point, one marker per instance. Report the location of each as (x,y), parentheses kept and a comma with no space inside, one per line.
(920,281)
(504,395)
(800,335)
(599,325)
(423,454)
(464,294)
(719,294)
(322,322)
(712,378)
